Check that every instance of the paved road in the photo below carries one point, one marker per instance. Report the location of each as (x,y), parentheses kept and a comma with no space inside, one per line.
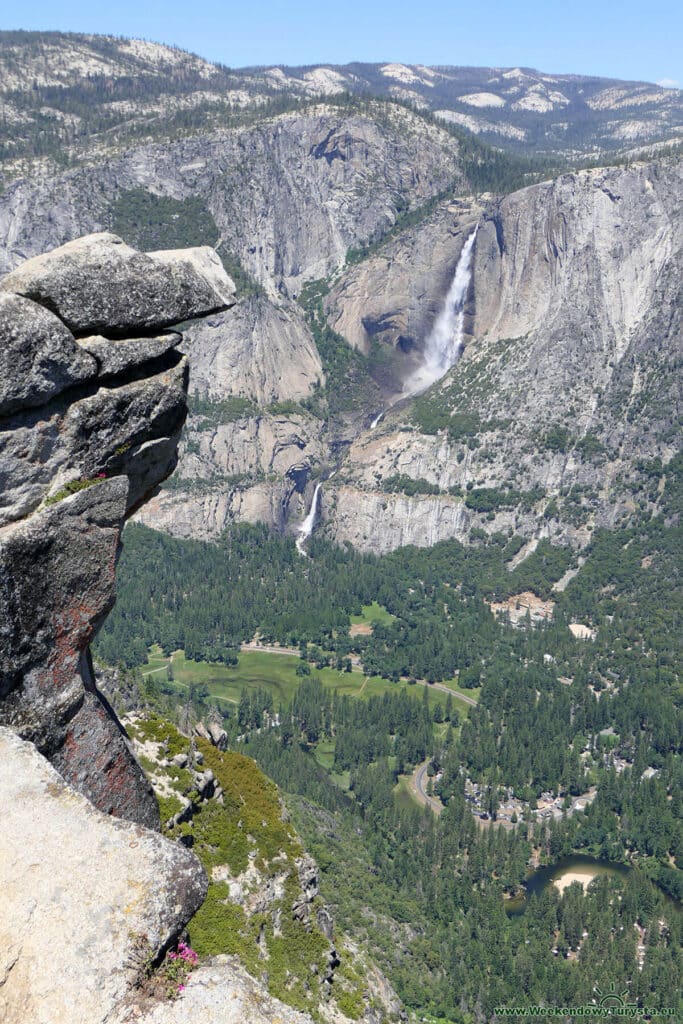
(418,784)
(446,689)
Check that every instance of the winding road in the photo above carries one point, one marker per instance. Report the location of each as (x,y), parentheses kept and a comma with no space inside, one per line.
(418,785)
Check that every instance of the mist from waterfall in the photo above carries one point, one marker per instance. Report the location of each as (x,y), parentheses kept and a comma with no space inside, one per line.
(443,346)
(306,528)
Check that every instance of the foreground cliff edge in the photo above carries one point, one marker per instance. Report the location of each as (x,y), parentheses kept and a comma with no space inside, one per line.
(87,899)
(92,400)
(95,900)
(88,427)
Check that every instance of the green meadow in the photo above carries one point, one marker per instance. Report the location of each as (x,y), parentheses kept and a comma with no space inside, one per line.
(275,672)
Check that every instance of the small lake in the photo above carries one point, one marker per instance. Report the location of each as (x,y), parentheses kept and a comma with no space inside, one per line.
(577,868)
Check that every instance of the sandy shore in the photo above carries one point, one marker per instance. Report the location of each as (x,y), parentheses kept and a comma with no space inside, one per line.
(584,876)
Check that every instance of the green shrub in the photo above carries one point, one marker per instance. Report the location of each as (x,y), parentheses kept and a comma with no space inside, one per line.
(401,483)
(557,439)
(212,414)
(489,499)
(220,926)
(168,807)
(73,487)
(158,730)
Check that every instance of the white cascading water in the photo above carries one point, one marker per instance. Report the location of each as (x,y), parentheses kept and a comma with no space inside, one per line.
(444,344)
(306,528)
(377,419)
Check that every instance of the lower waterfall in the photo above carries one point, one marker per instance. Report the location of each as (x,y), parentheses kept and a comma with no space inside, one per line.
(306,528)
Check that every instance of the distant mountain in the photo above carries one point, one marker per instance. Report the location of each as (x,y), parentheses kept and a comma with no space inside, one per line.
(513,107)
(69,97)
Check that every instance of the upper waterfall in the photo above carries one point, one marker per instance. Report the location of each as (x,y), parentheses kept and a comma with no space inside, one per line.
(444,343)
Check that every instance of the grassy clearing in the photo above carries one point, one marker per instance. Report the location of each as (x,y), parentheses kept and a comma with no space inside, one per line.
(324,753)
(274,672)
(341,779)
(373,613)
(404,796)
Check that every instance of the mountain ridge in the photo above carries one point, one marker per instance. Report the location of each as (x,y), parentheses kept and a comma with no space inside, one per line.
(66,91)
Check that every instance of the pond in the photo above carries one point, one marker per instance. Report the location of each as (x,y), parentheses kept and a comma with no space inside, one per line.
(577,868)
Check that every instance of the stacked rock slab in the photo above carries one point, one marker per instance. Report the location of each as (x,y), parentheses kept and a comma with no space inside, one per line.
(87,899)
(92,401)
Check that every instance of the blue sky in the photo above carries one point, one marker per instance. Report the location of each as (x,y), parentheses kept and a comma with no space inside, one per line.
(625,39)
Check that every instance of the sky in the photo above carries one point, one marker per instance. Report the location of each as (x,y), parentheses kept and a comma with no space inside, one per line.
(626,39)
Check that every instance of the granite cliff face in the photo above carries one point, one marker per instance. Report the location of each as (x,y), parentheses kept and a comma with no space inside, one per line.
(288,196)
(584,252)
(249,443)
(394,297)
(567,386)
(89,426)
(259,351)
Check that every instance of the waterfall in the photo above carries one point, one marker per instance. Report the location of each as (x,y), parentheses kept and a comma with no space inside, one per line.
(306,528)
(377,419)
(444,343)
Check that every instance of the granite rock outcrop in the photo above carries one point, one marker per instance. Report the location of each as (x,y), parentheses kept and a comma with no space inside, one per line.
(71,952)
(89,427)
(98,283)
